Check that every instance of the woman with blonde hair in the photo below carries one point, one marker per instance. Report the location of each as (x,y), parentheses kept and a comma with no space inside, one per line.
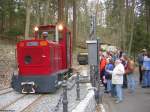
(117,79)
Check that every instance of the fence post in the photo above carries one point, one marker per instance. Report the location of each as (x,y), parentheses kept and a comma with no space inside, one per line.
(78,86)
(65,100)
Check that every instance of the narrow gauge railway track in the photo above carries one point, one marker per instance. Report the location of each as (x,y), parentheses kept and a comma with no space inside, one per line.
(38,99)
(4,88)
(21,103)
(7,90)
(11,100)
(8,97)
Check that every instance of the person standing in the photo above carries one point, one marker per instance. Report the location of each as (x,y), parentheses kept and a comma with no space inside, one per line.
(140,62)
(124,60)
(108,74)
(102,70)
(130,76)
(117,79)
(146,68)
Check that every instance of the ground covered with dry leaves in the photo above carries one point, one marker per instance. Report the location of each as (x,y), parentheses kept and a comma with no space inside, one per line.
(7,64)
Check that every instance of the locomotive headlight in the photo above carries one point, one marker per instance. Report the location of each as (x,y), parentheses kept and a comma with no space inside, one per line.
(36,28)
(60,27)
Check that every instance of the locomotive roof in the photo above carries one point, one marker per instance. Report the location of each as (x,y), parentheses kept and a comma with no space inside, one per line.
(50,26)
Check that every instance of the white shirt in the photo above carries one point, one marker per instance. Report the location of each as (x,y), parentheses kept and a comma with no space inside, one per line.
(117,74)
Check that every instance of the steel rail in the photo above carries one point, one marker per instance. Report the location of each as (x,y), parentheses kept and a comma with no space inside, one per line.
(36,100)
(4,107)
(5,91)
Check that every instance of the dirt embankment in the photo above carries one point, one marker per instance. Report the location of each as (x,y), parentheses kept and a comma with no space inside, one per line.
(7,62)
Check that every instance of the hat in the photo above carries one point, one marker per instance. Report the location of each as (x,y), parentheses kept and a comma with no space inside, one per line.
(45,33)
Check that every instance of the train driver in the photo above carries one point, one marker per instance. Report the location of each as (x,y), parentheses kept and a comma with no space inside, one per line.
(45,35)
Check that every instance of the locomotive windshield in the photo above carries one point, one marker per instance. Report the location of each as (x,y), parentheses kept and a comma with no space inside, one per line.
(49,35)
(48,32)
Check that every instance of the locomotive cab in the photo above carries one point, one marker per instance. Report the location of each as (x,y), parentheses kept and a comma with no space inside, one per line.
(43,60)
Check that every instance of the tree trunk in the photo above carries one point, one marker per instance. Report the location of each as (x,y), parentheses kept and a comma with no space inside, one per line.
(132,27)
(123,26)
(66,11)
(10,15)
(46,12)
(147,8)
(38,13)
(60,10)
(28,12)
(2,22)
(121,8)
(127,22)
(74,24)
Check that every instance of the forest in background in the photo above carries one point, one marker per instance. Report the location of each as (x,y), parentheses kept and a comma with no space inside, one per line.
(124,23)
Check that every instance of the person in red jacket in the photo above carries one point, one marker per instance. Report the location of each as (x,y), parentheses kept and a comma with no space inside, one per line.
(102,65)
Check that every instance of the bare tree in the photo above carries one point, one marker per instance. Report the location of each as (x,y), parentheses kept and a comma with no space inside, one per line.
(74,24)
(147,11)
(66,11)
(46,12)
(60,10)
(132,27)
(28,12)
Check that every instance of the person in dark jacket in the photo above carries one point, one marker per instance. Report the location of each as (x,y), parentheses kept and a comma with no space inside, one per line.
(124,62)
(146,69)
(140,62)
(108,74)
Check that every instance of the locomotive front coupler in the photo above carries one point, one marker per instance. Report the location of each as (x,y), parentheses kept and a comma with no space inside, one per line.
(28,87)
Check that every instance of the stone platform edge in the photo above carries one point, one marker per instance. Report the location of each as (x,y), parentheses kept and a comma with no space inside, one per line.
(88,104)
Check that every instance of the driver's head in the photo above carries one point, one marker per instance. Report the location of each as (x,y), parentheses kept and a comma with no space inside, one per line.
(45,35)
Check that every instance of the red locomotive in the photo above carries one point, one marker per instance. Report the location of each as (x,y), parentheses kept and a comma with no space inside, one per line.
(43,61)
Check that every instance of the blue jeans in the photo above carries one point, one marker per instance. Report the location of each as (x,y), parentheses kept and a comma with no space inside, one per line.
(113,90)
(119,92)
(146,78)
(109,85)
(131,82)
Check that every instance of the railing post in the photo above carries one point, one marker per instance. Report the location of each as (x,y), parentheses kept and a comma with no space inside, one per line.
(65,100)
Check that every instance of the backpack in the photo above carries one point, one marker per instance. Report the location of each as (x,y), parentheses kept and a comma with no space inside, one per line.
(130,67)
